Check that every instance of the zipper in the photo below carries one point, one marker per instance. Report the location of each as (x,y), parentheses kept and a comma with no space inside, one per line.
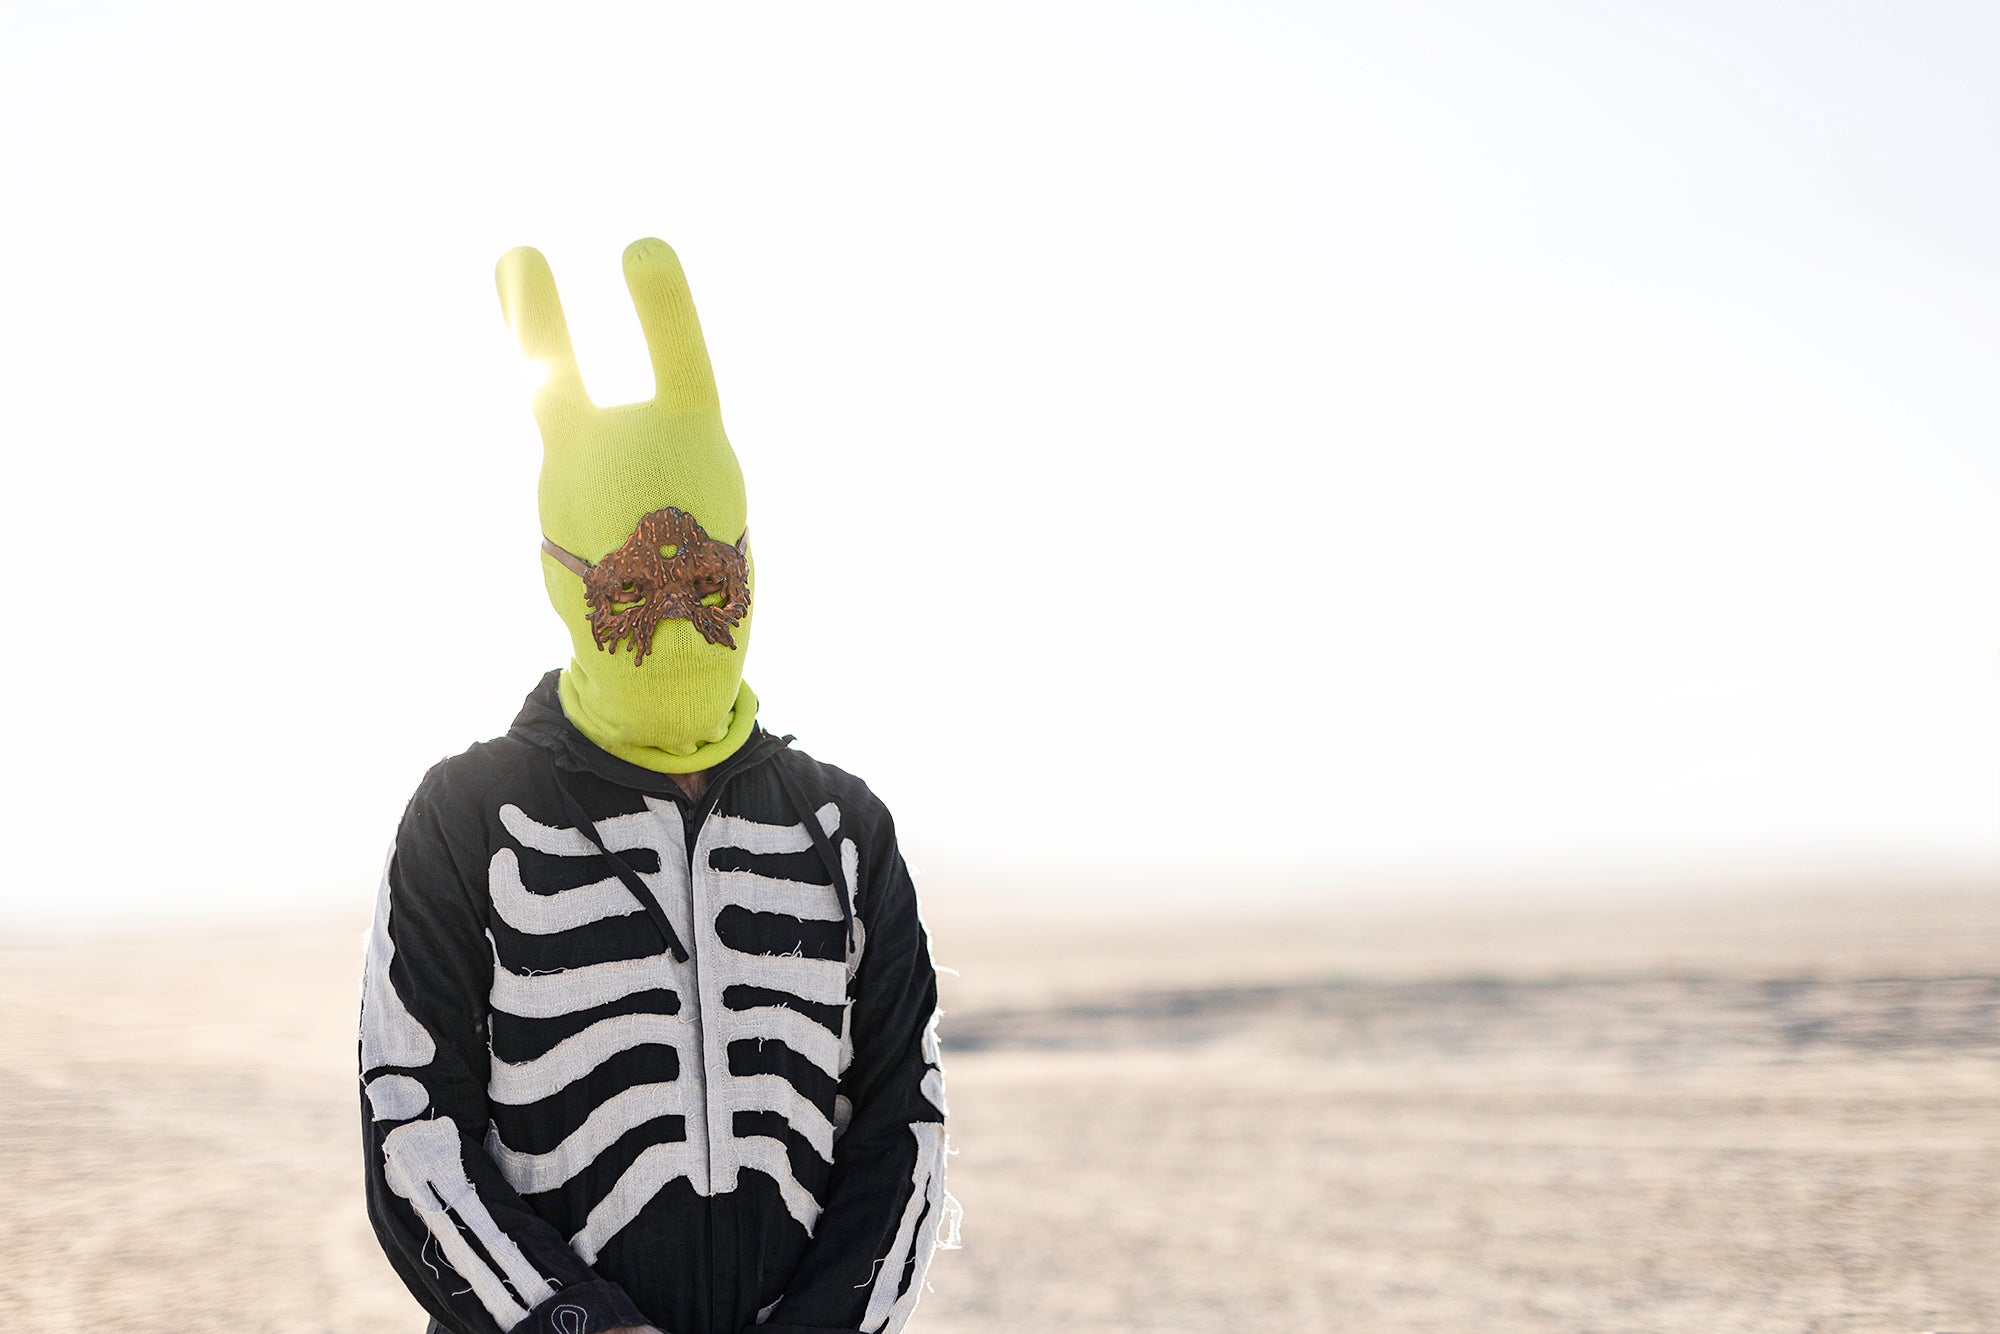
(700,1026)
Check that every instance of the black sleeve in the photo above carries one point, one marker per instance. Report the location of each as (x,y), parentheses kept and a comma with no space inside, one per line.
(864,1267)
(469,1249)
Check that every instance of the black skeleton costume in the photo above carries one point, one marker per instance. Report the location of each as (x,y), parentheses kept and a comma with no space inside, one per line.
(574,1123)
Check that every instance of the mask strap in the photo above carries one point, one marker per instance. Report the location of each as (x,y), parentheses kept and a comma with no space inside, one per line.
(576,565)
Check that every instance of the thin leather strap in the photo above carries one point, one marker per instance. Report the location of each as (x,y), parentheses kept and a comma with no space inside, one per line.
(576,565)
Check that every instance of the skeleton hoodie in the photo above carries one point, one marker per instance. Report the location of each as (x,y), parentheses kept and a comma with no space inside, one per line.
(628,1059)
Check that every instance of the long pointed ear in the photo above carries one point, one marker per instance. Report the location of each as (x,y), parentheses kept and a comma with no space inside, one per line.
(534,312)
(683,381)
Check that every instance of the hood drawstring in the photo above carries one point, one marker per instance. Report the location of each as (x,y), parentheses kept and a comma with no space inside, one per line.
(821,845)
(574,810)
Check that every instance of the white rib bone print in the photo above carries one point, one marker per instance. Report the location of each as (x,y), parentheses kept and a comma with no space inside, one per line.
(706,1094)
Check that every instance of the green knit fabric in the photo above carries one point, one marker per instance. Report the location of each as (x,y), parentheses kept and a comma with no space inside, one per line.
(685,707)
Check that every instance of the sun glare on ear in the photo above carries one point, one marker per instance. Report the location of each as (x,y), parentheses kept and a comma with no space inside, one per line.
(534,373)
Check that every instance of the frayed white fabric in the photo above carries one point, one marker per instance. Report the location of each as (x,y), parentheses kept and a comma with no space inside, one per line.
(850,870)
(424,1167)
(754,836)
(648,1175)
(552,995)
(531,1173)
(546,914)
(761,1153)
(621,833)
(523,1082)
(933,1087)
(396,1098)
(390,1034)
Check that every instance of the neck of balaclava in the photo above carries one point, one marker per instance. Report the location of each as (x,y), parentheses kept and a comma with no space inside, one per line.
(654,734)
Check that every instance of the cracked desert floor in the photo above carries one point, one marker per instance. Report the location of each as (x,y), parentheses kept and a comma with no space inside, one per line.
(1749,1107)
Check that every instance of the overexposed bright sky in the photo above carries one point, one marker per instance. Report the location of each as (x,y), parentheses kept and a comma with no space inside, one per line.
(1183,440)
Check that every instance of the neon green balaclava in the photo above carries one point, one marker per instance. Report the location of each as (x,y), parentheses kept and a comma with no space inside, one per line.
(644,526)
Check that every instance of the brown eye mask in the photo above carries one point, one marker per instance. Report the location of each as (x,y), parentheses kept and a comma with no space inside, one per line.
(669,569)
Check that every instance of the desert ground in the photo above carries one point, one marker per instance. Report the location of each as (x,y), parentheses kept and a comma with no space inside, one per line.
(1750,1105)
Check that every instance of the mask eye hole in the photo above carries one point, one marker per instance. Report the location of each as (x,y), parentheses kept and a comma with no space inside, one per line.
(669,551)
(627,596)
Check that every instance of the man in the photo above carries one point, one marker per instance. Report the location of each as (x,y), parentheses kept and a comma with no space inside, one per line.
(648,1031)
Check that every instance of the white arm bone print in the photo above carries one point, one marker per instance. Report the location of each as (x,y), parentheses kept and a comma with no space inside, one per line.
(424,1167)
(422,1157)
(707,1093)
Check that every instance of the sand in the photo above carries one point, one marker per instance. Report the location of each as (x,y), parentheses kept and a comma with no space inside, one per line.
(1734,1107)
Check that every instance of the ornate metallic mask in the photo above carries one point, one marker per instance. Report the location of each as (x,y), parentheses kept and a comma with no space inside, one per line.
(669,569)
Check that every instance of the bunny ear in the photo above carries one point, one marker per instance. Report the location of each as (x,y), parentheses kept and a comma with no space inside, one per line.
(682,378)
(534,312)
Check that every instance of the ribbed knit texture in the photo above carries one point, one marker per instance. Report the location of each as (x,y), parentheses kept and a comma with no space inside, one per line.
(685,707)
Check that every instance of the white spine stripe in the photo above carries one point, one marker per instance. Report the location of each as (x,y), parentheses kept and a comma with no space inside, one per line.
(649,1173)
(775,1093)
(531,1173)
(547,995)
(396,1097)
(390,1034)
(777,1023)
(546,914)
(422,1163)
(822,980)
(794,898)
(885,1314)
(754,836)
(761,1153)
(518,1083)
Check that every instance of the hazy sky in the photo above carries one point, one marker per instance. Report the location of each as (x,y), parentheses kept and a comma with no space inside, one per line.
(1193,439)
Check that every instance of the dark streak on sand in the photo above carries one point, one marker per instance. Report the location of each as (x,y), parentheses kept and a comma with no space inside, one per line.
(1644,1019)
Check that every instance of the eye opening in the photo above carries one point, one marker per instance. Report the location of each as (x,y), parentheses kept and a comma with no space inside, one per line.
(670,550)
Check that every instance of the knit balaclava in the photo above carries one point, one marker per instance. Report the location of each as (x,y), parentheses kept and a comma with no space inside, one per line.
(645,546)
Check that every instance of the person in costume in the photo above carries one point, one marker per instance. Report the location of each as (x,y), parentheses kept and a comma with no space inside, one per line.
(649,1018)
